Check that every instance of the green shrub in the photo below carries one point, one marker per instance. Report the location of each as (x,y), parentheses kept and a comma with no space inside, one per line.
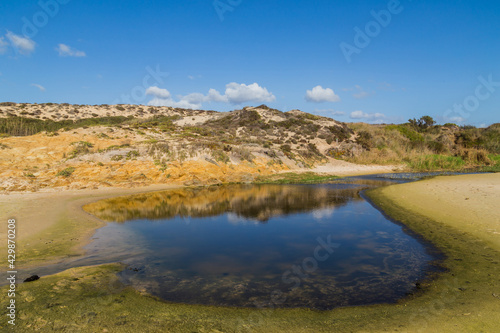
(407,132)
(286,148)
(365,139)
(21,126)
(82,144)
(81,148)
(342,133)
(437,162)
(244,154)
(313,149)
(437,147)
(220,156)
(132,154)
(66,172)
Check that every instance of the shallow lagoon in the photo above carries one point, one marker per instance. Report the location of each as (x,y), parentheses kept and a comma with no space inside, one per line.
(318,246)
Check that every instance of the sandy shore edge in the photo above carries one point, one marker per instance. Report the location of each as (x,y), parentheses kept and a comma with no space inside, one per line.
(464,299)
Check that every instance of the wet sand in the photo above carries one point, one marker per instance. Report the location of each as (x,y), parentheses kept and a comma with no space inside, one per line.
(470,203)
(52,225)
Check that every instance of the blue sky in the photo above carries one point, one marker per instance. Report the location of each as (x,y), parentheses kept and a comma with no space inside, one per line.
(373,61)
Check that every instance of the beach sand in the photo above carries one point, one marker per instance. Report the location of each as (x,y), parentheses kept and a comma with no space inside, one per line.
(51,225)
(470,203)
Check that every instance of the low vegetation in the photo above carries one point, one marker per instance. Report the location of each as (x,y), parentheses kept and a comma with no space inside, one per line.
(66,172)
(424,146)
(295,178)
(23,126)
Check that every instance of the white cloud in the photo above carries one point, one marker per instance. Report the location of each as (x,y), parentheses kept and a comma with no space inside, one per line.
(319,94)
(235,94)
(323,213)
(42,88)
(183,104)
(23,44)
(193,98)
(241,93)
(162,97)
(215,96)
(67,51)
(331,112)
(456,120)
(338,113)
(367,116)
(158,92)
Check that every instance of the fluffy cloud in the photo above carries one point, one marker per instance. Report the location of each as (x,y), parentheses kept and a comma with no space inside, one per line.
(235,94)
(457,120)
(183,104)
(158,92)
(215,96)
(241,93)
(67,51)
(319,94)
(42,88)
(24,45)
(330,112)
(367,116)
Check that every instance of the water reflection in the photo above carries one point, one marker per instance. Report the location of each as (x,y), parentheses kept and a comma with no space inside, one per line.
(240,245)
(259,202)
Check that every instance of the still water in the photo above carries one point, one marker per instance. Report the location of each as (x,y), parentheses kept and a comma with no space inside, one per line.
(318,246)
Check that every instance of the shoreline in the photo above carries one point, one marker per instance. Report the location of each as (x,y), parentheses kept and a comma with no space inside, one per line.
(45,215)
(53,226)
(464,298)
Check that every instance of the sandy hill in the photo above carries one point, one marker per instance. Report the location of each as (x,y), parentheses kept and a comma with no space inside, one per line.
(80,146)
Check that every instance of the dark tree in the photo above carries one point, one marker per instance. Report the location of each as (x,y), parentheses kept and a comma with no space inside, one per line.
(423,123)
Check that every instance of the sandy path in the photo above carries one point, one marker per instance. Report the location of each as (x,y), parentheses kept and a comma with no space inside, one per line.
(344,168)
(468,202)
